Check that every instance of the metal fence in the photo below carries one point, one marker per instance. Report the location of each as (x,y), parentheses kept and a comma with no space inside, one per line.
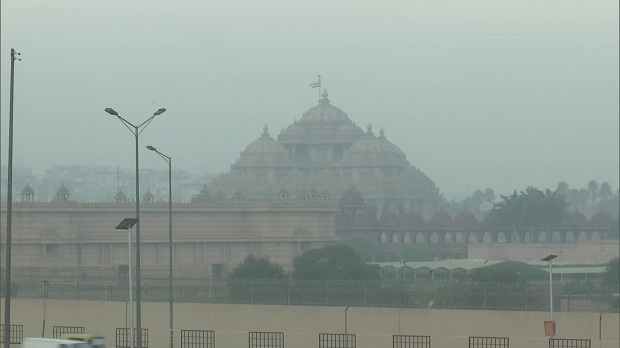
(266,339)
(58,331)
(123,337)
(197,339)
(569,343)
(16,332)
(489,342)
(449,295)
(327,340)
(409,341)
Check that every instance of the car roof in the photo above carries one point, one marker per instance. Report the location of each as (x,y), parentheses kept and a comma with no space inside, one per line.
(57,340)
(76,335)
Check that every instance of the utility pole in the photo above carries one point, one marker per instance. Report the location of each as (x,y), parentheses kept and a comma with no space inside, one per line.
(9,213)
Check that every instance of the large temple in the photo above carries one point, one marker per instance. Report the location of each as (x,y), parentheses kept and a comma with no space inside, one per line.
(322,181)
(322,155)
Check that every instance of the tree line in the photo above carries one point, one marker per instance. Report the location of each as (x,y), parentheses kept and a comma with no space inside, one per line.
(593,194)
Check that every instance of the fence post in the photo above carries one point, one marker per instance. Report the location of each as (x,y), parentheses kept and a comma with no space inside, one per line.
(251,292)
(288,291)
(364,293)
(326,299)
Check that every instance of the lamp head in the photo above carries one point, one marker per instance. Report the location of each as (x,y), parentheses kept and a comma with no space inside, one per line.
(549,258)
(111,111)
(151,148)
(159,112)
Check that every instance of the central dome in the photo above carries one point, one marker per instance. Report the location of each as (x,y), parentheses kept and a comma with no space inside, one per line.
(325,114)
(323,123)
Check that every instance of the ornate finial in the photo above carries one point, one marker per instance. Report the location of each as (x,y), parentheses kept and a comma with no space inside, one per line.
(369,129)
(325,94)
(382,132)
(265,131)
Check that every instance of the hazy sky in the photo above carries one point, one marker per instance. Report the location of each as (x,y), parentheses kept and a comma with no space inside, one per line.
(500,94)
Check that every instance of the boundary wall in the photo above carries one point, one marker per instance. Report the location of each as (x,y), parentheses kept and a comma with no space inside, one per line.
(374,327)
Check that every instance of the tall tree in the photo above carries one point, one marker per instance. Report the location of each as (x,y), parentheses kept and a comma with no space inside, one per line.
(257,268)
(333,262)
(604,191)
(530,208)
(593,190)
(562,188)
(363,247)
(612,274)
(489,195)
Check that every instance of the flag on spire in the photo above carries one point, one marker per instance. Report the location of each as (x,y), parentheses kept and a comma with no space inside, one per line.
(316,84)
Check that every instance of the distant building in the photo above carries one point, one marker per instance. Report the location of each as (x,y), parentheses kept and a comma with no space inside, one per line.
(66,234)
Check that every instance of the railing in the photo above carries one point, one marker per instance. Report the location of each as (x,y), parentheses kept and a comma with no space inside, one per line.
(450,295)
(236,339)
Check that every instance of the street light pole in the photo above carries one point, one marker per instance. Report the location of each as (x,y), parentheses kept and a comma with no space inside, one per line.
(168,160)
(127,224)
(9,214)
(550,258)
(135,130)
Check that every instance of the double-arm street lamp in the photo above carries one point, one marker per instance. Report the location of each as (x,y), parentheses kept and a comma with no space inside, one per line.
(136,130)
(168,160)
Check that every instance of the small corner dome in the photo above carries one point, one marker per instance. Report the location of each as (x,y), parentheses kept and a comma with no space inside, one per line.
(27,190)
(264,151)
(441,219)
(466,219)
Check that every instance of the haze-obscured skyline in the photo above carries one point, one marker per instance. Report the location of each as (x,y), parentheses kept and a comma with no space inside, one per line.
(477,94)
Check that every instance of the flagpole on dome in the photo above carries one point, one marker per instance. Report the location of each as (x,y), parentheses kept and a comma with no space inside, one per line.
(317,85)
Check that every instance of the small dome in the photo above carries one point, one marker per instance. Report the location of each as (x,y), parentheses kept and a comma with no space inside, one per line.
(219,196)
(264,152)
(370,150)
(441,219)
(204,190)
(62,191)
(351,199)
(466,220)
(412,221)
(120,196)
(283,194)
(576,219)
(237,196)
(148,196)
(27,191)
(601,219)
